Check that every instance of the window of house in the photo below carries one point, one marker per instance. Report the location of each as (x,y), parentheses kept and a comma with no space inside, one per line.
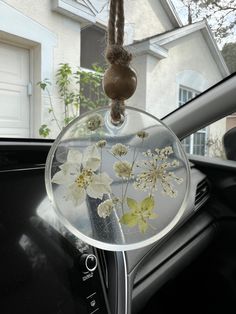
(195,143)
(93,44)
(219,142)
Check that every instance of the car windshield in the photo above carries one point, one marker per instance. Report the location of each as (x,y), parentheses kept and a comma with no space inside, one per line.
(52,58)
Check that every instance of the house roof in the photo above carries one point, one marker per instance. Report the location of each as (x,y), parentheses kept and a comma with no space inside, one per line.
(171,12)
(156,45)
(88,12)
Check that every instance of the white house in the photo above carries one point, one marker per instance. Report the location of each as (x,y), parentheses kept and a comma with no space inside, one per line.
(173,62)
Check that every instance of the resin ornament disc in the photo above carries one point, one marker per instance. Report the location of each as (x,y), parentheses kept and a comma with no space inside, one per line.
(118,187)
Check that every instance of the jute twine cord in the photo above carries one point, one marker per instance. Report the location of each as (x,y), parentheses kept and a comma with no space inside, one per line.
(115,53)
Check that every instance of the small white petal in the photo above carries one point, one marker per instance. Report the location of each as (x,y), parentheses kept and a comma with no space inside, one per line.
(59,177)
(99,186)
(92,159)
(65,176)
(70,169)
(74,157)
(104,178)
(76,195)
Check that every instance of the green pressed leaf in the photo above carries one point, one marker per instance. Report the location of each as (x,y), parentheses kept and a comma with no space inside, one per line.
(129,219)
(143,225)
(132,204)
(148,204)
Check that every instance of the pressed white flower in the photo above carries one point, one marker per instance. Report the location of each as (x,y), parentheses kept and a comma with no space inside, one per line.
(142,134)
(78,175)
(123,169)
(95,122)
(104,209)
(119,150)
(89,184)
(155,169)
(101,143)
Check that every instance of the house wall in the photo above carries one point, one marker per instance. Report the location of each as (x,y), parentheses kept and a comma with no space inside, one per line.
(147,17)
(188,53)
(139,98)
(66,49)
(66,29)
(189,63)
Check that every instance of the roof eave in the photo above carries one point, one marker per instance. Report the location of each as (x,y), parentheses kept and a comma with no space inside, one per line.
(146,47)
(208,36)
(202,26)
(171,12)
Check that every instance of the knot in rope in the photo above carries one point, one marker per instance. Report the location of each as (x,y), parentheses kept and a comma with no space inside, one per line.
(116,54)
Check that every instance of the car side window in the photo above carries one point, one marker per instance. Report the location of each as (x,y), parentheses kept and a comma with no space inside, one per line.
(217,140)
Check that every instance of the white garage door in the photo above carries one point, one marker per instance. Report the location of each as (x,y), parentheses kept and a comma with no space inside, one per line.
(14,99)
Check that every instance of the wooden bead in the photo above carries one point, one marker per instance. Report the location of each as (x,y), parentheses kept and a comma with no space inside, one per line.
(119,82)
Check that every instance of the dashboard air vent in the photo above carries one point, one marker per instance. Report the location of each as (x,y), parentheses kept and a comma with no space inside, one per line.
(202,193)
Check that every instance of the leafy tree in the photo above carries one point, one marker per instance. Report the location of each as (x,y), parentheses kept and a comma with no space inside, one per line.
(229,54)
(220,14)
(216,148)
(76,89)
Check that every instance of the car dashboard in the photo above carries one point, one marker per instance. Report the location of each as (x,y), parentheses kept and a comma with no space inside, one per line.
(45,269)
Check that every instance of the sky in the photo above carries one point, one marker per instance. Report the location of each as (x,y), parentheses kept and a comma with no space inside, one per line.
(182,12)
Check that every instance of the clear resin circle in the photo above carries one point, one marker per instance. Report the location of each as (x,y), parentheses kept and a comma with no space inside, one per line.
(118,187)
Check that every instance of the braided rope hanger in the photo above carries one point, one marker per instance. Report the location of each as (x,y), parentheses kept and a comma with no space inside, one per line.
(115,52)
(120,80)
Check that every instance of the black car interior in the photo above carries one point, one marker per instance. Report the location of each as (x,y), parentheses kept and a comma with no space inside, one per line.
(42,271)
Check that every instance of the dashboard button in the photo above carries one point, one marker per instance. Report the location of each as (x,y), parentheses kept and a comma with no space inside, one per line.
(88,262)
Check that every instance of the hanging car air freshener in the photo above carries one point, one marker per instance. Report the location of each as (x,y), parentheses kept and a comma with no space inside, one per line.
(118,177)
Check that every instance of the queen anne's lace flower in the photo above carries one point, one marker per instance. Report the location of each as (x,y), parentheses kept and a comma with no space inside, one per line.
(78,175)
(123,169)
(104,209)
(155,170)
